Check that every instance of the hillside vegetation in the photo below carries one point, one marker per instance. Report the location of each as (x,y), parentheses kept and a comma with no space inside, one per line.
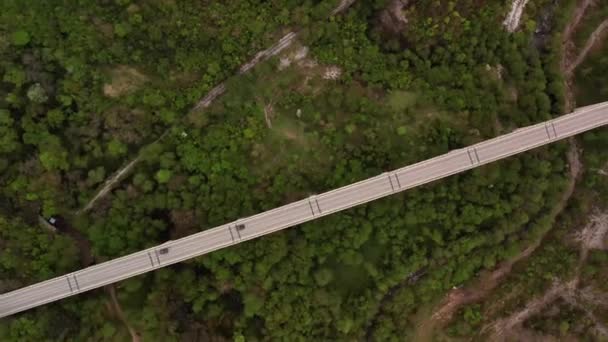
(87,84)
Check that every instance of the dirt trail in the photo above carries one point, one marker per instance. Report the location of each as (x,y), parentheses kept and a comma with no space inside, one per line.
(513,18)
(344,4)
(486,283)
(120,314)
(503,328)
(579,12)
(569,56)
(259,57)
(595,37)
(206,101)
(457,298)
(591,236)
(109,183)
(571,297)
(463,296)
(593,297)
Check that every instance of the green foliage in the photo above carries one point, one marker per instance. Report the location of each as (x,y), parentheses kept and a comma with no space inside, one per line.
(116,148)
(9,142)
(23,329)
(15,75)
(96,175)
(37,94)
(34,253)
(400,100)
(54,159)
(163,176)
(591,86)
(20,38)
(472,315)
(274,137)
(122,29)
(323,277)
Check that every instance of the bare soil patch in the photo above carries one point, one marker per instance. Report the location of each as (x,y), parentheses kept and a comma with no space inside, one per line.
(570,59)
(392,19)
(124,79)
(593,235)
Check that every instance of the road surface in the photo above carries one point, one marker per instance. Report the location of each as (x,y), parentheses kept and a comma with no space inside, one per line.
(305,210)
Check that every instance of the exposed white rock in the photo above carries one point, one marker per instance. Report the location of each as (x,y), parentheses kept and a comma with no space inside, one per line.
(332,73)
(513,18)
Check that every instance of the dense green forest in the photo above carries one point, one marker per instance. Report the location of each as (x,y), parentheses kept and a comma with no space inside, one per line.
(572,314)
(88,85)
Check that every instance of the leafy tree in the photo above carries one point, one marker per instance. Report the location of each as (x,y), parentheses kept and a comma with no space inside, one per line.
(20,38)
(163,176)
(116,148)
(37,94)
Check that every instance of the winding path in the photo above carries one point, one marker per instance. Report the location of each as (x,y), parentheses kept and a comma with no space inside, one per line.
(513,18)
(598,34)
(206,101)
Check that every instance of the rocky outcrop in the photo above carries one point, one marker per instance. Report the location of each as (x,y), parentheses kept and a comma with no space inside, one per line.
(392,17)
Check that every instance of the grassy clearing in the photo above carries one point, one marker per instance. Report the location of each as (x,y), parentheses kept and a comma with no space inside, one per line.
(300,112)
(123,80)
(286,143)
(400,100)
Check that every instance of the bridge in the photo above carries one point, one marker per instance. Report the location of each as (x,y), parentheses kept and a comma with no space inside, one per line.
(308,209)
